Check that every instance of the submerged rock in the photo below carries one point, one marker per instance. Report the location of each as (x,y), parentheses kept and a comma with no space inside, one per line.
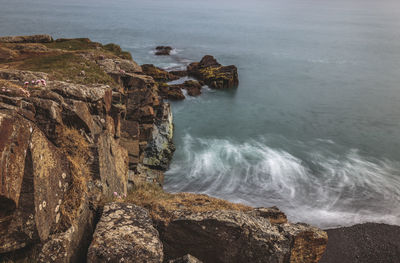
(125,233)
(163,50)
(214,74)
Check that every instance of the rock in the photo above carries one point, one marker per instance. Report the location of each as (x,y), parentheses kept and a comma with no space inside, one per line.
(185,259)
(193,87)
(171,92)
(35,177)
(158,152)
(179,73)
(27,39)
(233,236)
(158,74)
(113,165)
(118,65)
(273,214)
(214,74)
(163,50)
(125,233)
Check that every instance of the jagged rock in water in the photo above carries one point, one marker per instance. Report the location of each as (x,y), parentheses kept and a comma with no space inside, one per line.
(214,74)
(125,233)
(163,50)
(27,39)
(234,236)
(158,74)
(171,92)
(185,259)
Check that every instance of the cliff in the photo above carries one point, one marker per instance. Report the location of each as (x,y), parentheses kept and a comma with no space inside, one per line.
(85,138)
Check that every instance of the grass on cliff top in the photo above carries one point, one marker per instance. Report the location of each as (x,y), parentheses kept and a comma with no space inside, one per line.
(161,204)
(86,44)
(67,67)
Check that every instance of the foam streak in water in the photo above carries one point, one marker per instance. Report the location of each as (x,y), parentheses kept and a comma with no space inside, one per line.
(323,189)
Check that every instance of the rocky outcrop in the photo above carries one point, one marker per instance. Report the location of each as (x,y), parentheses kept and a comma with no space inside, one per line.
(214,74)
(158,74)
(71,143)
(163,50)
(125,233)
(27,39)
(233,236)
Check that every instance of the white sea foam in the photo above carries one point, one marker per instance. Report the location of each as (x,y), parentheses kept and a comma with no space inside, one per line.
(322,189)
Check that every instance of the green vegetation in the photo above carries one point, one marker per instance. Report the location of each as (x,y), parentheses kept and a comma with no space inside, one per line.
(73,44)
(68,67)
(116,50)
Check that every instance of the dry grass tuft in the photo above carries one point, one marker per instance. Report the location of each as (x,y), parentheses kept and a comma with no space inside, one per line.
(161,204)
(76,148)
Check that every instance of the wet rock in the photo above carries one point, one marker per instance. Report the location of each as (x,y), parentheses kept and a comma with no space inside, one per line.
(158,74)
(163,50)
(185,259)
(158,153)
(179,73)
(125,233)
(233,236)
(27,39)
(214,74)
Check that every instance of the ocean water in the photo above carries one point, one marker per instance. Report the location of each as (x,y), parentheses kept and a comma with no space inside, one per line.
(314,125)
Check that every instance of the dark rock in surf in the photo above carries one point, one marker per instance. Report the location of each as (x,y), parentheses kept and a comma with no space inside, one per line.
(213,73)
(163,50)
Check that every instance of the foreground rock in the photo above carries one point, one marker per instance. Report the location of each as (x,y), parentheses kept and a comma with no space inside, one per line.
(233,236)
(214,74)
(163,50)
(364,243)
(185,259)
(125,234)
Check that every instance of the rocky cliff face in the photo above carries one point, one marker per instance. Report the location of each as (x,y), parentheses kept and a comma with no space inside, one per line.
(80,125)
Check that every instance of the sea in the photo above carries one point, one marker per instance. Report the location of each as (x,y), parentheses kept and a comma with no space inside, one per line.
(314,125)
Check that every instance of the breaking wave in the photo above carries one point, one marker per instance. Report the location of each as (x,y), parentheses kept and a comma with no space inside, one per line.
(320,188)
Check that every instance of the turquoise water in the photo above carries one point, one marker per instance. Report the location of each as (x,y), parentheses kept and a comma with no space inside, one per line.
(313,126)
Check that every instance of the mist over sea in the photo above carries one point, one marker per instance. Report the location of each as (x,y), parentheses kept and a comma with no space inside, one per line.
(314,126)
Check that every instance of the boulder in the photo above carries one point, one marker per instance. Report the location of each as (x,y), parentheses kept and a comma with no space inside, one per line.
(158,74)
(163,50)
(185,259)
(125,233)
(273,214)
(234,236)
(214,74)
(118,65)
(27,39)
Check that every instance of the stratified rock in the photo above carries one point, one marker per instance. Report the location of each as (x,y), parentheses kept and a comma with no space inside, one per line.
(185,259)
(125,233)
(163,50)
(214,74)
(158,74)
(233,236)
(27,39)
